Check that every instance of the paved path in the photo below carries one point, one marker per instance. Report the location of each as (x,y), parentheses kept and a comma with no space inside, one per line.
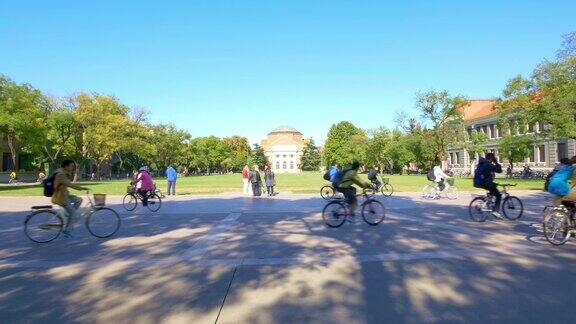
(242,260)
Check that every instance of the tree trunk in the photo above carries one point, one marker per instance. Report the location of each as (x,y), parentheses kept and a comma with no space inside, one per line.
(12,148)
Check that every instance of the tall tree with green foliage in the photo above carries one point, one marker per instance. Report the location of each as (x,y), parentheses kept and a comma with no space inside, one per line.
(345,144)
(311,159)
(237,151)
(515,148)
(378,143)
(258,157)
(440,110)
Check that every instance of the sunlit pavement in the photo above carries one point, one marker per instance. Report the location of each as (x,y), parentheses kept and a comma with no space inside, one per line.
(232,259)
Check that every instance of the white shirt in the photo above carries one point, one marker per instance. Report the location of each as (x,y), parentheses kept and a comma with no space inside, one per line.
(439,174)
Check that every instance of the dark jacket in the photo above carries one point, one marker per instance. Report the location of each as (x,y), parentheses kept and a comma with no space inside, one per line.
(485,172)
(270,178)
(255,177)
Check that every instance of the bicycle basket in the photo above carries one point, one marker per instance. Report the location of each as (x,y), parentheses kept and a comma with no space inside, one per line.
(99,200)
(386,180)
(450,181)
(130,189)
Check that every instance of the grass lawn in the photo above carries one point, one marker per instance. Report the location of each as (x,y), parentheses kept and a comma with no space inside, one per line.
(307,182)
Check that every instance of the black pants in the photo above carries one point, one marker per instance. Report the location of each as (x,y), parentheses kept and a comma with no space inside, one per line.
(441,185)
(270,190)
(350,195)
(493,190)
(376,183)
(145,195)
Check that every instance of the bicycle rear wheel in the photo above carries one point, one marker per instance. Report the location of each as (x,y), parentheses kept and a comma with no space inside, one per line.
(43,226)
(103,222)
(478,209)
(557,227)
(512,208)
(429,192)
(452,192)
(327,192)
(373,212)
(130,202)
(334,214)
(387,190)
(154,202)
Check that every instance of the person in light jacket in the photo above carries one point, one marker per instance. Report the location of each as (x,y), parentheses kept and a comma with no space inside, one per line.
(270,181)
(171,176)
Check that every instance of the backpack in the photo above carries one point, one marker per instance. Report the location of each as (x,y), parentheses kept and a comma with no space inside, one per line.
(326,175)
(548,178)
(430,175)
(339,177)
(48,185)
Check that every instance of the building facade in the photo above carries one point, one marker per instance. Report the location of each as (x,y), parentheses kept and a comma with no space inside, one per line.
(480,116)
(283,147)
(6,163)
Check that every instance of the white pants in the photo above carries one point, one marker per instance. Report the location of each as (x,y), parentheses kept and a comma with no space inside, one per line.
(247,188)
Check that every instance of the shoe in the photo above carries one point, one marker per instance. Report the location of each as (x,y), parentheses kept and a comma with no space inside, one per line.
(497,215)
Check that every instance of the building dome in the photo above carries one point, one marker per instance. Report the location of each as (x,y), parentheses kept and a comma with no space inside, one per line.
(285,129)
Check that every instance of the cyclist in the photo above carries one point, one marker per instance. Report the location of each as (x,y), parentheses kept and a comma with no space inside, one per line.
(12,177)
(373,177)
(144,184)
(62,196)
(484,178)
(440,178)
(559,181)
(345,181)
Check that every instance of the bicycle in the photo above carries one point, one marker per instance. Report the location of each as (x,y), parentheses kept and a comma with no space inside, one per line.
(559,219)
(483,205)
(385,188)
(327,192)
(45,223)
(130,200)
(432,190)
(336,212)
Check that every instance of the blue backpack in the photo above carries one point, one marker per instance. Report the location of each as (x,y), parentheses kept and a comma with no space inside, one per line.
(339,177)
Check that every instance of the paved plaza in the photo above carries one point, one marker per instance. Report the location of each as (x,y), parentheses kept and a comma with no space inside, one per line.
(232,259)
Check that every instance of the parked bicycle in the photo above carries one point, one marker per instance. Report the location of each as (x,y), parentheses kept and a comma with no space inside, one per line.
(432,190)
(45,223)
(336,212)
(481,206)
(130,201)
(559,223)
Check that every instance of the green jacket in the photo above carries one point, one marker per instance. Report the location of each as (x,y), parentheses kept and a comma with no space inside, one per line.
(351,178)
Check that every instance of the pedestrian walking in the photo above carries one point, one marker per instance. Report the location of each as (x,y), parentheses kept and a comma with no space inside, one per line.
(256,181)
(270,181)
(245,180)
(171,176)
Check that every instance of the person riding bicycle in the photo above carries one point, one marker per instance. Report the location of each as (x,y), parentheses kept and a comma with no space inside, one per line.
(345,184)
(558,184)
(440,178)
(62,196)
(144,184)
(373,177)
(484,179)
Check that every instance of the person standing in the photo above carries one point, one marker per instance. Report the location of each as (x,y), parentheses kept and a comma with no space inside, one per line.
(245,182)
(171,176)
(270,181)
(256,181)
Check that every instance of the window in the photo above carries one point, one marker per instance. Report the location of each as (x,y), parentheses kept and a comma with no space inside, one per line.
(277,165)
(562,150)
(540,127)
(492,131)
(284,156)
(277,156)
(291,165)
(6,162)
(457,155)
(291,155)
(485,129)
(542,151)
(478,129)
(284,165)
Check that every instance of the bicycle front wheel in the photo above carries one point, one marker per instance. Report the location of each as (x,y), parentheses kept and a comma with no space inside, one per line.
(452,192)
(334,214)
(387,190)
(478,209)
(103,222)
(43,226)
(327,192)
(373,212)
(557,227)
(154,203)
(130,202)
(512,207)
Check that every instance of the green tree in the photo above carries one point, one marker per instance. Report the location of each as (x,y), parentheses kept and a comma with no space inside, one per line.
(257,157)
(400,151)
(170,143)
(515,148)
(237,151)
(378,144)
(474,143)
(345,143)
(311,159)
(440,110)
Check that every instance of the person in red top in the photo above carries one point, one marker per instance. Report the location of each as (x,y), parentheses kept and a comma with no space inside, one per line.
(245,176)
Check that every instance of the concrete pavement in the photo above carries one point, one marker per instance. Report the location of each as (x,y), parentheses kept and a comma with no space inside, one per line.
(232,259)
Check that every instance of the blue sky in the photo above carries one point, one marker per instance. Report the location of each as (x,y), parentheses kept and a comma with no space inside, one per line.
(245,67)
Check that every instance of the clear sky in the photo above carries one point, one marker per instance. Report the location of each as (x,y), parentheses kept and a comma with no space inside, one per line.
(245,67)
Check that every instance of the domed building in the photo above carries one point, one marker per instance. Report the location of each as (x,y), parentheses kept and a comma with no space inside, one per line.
(283,147)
